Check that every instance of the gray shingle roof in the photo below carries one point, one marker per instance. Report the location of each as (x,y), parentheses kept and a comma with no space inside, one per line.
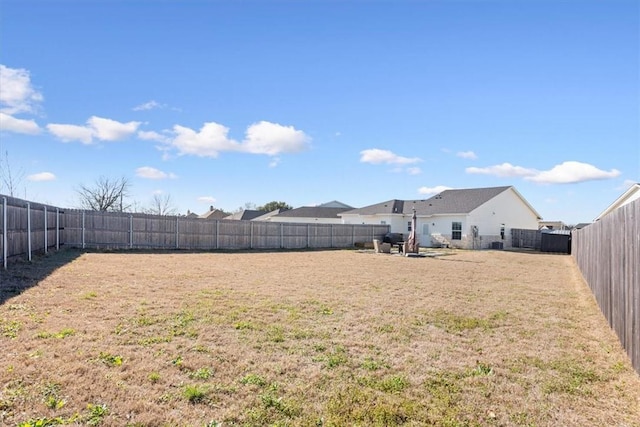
(313,212)
(448,202)
(246,215)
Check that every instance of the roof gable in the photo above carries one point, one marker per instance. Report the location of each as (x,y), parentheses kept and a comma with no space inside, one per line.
(448,202)
(630,195)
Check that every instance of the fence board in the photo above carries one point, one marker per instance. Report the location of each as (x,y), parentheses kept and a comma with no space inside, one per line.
(608,255)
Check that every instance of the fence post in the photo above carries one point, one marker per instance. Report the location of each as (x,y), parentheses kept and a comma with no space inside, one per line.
(217,233)
(46,230)
(5,251)
(177,233)
(29,230)
(331,239)
(281,236)
(131,231)
(57,229)
(251,235)
(83,244)
(308,237)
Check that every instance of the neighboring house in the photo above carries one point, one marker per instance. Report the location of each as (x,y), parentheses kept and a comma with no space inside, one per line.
(470,218)
(326,213)
(268,215)
(633,193)
(246,215)
(213,213)
(552,225)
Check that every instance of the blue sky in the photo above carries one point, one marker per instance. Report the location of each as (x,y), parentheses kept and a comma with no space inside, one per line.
(225,103)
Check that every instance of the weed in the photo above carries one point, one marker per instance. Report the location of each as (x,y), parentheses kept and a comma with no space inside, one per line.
(573,378)
(67,332)
(51,393)
(42,422)
(482,369)
(195,393)
(110,359)
(327,311)
(10,328)
(354,405)
(154,377)
(244,325)
(177,361)
(201,374)
(337,357)
(275,334)
(454,323)
(254,379)
(90,295)
(373,365)
(96,413)
(393,384)
(385,328)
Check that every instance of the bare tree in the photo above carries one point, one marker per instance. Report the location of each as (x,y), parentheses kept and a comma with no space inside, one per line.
(162,204)
(9,179)
(105,194)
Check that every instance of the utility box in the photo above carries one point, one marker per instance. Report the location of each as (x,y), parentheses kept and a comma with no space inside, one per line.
(497,245)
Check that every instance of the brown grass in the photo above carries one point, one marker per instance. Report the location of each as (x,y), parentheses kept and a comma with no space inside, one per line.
(311,339)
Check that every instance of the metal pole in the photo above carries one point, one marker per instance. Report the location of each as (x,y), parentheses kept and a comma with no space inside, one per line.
(130,231)
(29,229)
(83,244)
(57,229)
(177,233)
(4,232)
(46,230)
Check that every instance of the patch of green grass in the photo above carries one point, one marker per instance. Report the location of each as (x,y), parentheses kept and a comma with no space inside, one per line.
(254,379)
(110,359)
(337,357)
(67,332)
(195,393)
(51,395)
(145,342)
(154,377)
(454,323)
(572,377)
(90,295)
(275,334)
(201,374)
(371,364)
(244,325)
(10,328)
(355,405)
(96,413)
(42,422)
(482,369)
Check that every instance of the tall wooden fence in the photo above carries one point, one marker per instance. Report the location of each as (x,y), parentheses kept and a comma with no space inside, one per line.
(608,255)
(28,227)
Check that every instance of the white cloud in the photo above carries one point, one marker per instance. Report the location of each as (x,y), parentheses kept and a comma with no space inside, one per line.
(272,139)
(433,190)
(572,172)
(42,176)
(208,142)
(504,170)
(148,106)
(11,124)
(17,95)
(414,171)
(376,156)
(96,127)
(68,133)
(206,199)
(261,138)
(152,136)
(153,173)
(111,130)
(467,155)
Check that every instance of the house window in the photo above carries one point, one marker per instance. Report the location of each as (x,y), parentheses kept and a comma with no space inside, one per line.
(456,231)
(409,226)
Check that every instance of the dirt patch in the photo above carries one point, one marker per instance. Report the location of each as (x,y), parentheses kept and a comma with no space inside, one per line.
(310,338)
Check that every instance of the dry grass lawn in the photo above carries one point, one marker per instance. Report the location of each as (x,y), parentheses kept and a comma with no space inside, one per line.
(318,338)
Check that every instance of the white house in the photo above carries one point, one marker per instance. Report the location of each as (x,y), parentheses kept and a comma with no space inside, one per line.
(471,218)
(326,213)
(633,193)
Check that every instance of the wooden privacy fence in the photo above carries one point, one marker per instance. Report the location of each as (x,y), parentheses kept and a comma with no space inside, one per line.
(28,227)
(608,255)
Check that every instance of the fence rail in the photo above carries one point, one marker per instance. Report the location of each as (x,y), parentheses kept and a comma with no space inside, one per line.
(608,255)
(28,227)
